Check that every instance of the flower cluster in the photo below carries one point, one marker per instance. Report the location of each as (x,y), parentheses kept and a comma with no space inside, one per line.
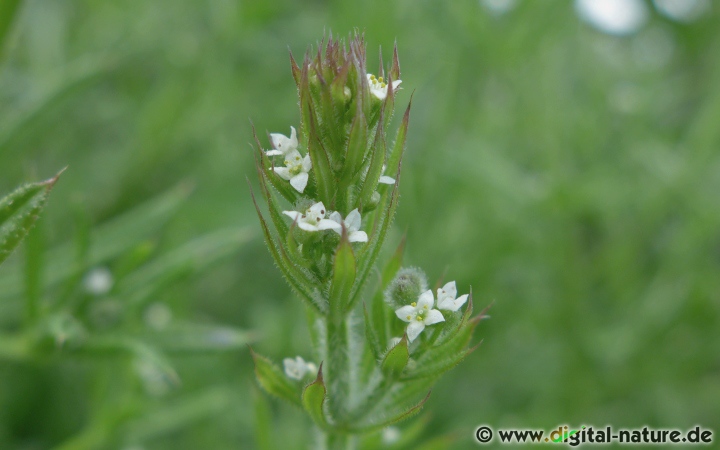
(337,178)
(420,314)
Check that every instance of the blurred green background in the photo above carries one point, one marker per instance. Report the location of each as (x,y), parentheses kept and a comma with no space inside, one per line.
(567,169)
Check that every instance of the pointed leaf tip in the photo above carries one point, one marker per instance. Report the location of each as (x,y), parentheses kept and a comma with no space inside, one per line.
(397,358)
(313,398)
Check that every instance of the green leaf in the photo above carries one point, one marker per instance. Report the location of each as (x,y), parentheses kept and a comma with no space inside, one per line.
(356,147)
(344,271)
(399,146)
(273,380)
(264,166)
(324,177)
(18,212)
(375,169)
(298,279)
(313,398)
(364,427)
(396,359)
(439,366)
(393,264)
(371,334)
(444,357)
(369,253)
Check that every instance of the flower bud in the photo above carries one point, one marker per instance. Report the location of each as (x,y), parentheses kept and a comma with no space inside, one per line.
(406,287)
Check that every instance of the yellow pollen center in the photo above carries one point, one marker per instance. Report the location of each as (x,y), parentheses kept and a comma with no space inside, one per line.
(409,317)
(413,304)
(419,319)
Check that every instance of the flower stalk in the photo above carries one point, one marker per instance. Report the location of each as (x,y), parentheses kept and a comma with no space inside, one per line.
(331,189)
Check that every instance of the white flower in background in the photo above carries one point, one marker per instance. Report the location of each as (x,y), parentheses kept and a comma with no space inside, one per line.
(391,435)
(419,314)
(297,368)
(282,144)
(386,179)
(313,219)
(98,281)
(352,225)
(296,170)
(378,86)
(446,297)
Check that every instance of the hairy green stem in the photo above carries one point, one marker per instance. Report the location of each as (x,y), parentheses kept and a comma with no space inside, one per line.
(339,441)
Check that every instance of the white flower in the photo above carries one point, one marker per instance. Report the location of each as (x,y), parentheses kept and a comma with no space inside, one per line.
(282,144)
(98,281)
(386,179)
(296,169)
(446,297)
(378,87)
(419,314)
(352,225)
(297,368)
(313,219)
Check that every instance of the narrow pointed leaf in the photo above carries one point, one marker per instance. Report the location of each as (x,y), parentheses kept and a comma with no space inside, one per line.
(369,253)
(371,335)
(273,206)
(439,366)
(406,414)
(394,264)
(344,271)
(300,281)
(399,146)
(396,359)
(356,147)
(18,212)
(324,177)
(375,169)
(313,398)
(395,69)
(273,380)
(296,72)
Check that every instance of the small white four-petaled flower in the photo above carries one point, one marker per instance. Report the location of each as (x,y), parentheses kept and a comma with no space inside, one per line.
(420,314)
(296,169)
(378,86)
(282,145)
(297,368)
(352,225)
(313,219)
(446,297)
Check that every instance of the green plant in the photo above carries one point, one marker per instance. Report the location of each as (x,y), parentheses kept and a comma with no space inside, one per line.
(374,371)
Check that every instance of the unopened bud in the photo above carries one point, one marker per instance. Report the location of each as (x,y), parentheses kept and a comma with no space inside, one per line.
(406,287)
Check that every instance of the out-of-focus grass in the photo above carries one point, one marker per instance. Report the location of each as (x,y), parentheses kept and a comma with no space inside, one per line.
(568,175)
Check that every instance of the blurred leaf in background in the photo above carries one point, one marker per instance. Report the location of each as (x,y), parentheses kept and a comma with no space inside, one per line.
(564,167)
